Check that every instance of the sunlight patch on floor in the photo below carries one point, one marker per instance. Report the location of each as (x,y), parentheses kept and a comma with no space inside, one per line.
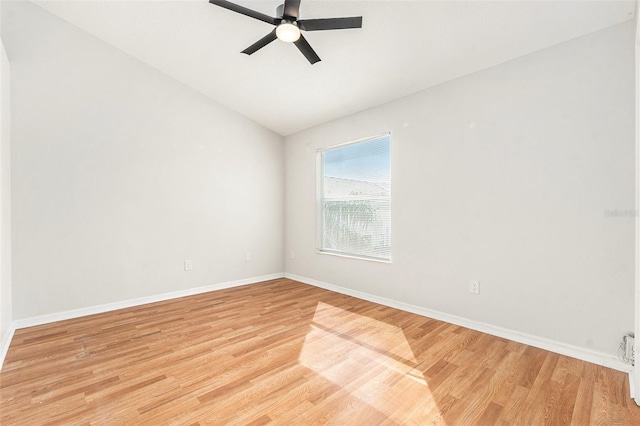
(370,359)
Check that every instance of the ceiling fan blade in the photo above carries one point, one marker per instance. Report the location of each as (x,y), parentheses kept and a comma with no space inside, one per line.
(303,45)
(330,23)
(261,43)
(245,11)
(291,8)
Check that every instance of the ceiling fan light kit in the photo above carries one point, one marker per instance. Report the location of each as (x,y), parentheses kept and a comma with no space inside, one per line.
(288,26)
(288,32)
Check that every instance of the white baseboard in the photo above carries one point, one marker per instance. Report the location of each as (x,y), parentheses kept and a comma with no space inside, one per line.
(599,358)
(594,357)
(76,313)
(5,341)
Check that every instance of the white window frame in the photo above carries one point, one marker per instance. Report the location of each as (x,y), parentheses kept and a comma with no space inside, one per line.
(320,199)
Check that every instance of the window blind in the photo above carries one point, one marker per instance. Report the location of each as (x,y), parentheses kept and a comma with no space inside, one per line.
(355,199)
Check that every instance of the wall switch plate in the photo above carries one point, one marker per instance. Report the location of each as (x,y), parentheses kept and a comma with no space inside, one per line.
(188,265)
(248,257)
(293,254)
(474,286)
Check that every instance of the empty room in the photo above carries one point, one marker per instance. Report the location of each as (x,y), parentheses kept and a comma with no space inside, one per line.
(319,212)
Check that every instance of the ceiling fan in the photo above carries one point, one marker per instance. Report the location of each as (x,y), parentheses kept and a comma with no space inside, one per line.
(288,26)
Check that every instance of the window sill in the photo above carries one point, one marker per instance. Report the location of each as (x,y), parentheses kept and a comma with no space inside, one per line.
(353,256)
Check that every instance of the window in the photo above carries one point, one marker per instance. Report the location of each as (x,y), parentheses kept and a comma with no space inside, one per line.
(354,216)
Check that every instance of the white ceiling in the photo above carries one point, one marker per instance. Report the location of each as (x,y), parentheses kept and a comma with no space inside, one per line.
(403,47)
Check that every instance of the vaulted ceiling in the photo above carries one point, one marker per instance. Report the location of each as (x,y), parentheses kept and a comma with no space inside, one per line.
(403,47)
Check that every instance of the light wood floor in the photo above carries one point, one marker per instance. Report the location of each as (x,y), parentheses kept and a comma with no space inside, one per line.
(287,353)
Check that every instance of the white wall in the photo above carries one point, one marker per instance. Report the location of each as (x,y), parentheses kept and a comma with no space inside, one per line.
(635,380)
(121,173)
(5,200)
(504,176)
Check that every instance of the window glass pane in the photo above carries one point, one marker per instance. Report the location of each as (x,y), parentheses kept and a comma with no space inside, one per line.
(355,199)
(366,161)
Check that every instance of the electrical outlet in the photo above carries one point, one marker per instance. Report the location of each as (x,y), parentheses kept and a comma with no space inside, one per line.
(293,254)
(188,265)
(248,257)
(474,286)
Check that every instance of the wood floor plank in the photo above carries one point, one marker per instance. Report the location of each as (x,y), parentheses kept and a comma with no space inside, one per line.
(515,406)
(281,352)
